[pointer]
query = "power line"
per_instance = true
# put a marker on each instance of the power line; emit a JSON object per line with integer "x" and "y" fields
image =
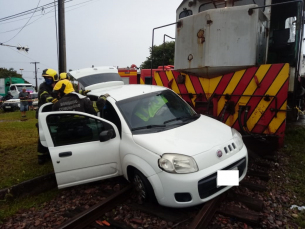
{"x": 27, "y": 24}
{"x": 48, "y": 17}
{"x": 24, "y": 25}
{"x": 42, "y": 8}
{"x": 27, "y": 56}
{"x": 24, "y": 13}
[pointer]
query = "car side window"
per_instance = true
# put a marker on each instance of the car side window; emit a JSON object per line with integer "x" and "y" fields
{"x": 68, "y": 129}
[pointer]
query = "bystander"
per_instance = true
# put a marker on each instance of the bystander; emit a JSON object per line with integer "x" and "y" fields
{"x": 23, "y": 96}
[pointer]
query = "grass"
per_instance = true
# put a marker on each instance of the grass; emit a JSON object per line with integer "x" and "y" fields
{"x": 18, "y": 161}
{"x": 295, "y": 145}
{"x": 18, "y": 149}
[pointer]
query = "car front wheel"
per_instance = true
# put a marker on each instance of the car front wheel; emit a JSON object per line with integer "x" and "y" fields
{"x": 143, "y": 187}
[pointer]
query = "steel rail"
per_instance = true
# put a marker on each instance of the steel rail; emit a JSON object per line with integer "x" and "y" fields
{"x": 90, "y": 215}
{"x": 207, "y": 212}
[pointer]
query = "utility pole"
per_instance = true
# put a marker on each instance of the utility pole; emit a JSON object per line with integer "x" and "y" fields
{"x": 35, "y": 74}
{"x": 62, "y": 66}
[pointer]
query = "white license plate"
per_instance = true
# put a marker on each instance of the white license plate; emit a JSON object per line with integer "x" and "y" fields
{"x": 7, "y": 106}
{"x": 228, "y": 177}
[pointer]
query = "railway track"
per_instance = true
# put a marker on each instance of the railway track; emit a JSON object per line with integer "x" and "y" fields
{"x": 233, "y": 204}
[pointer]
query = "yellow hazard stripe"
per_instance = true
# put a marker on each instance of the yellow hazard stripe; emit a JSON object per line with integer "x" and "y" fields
{"x": 190, "y": 88}
{"x": 170, "y": 77}
{"x": 141, "y": 81}
{"x": 277, "y": 121}
{"x": 261, "y": 72}
{"x": 229, "y": 89}
{"x": 205, "y": 84}
{"x": 273, "y": 90}
{"x": 128, "y": 74}
{"x": 158, "y": 79}
{"x": 213, "y": 84}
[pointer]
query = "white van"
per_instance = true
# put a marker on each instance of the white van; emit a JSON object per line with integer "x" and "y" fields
{"x": 15, "y": 89}
{"x": 172, "y": 154}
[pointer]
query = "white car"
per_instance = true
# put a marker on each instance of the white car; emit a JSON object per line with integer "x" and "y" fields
{"x": 11, "y": 104}
{"x": 173, "y": 157}
{"x": 14, "y": 103}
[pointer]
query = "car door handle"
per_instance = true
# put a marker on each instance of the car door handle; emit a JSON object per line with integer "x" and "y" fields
{"x": 65, "y": 154}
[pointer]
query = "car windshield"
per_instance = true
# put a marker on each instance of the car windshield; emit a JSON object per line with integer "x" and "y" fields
{"x": 98, "y": 78}
{"x": 16, "y": 96}
{"x": 28, "y": 88}
{"x": 156, "y": 112}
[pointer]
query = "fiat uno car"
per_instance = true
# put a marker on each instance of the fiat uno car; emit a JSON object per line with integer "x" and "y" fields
{"x": 171, "y": 153}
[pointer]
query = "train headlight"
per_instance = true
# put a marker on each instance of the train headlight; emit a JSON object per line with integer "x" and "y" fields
{"x": 177, "y": 163}
{"x": 237, "y": 139}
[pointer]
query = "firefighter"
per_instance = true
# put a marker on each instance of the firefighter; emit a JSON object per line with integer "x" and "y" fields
{"x": 65, "y": 76}
{"x": 68, "y": 76}
{"x": 44, "y": 96}
{"x": 69, "y": 100}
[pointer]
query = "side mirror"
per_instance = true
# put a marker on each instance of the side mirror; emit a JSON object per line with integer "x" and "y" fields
{"x": 106, "y": 135}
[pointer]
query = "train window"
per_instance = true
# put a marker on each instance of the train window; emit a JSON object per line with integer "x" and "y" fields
{"x": 212, "y": 5}
{"x": 248, "y": 2}
{"x": 147, "y": 80}
{"x": 290, "y": 24}
{"x": 185, "y": 13}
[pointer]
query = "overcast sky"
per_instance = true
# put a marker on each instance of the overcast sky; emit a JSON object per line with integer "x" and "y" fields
{"x": 98, "y": 32}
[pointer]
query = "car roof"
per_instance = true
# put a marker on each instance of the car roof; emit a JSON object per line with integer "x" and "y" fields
{"x": 95, "y": 70}
{"x": 122, "y": 92}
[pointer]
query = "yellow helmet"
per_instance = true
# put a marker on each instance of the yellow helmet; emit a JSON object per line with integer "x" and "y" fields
{"x": 64, "y": 86}
{"x": 65, "y": 75}
{"x": 50, "y": 73}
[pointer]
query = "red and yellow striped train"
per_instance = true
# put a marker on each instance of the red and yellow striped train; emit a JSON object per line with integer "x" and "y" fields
{"x": 240, "y": 62}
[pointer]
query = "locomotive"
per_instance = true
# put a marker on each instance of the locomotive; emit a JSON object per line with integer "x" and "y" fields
{"x": 240, "y": 62}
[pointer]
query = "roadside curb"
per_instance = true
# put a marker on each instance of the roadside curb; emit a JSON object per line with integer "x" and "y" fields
{"x": 30, "y": 187}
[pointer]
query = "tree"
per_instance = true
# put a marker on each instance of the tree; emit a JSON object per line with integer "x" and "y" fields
{"x": 169, "y": 53}
{"x": 5, "y": 73}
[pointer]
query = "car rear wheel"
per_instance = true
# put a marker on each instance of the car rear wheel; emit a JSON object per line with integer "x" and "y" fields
{"x": 143, "y": 187}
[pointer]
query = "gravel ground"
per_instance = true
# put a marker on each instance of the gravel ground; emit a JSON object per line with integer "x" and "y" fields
{"x": 70, "y": 202}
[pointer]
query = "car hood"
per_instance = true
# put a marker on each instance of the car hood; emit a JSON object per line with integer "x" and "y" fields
{"x": 190, "y": 139}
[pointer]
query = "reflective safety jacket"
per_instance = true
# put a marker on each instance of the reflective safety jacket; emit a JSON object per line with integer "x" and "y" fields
{"x": 44, "y": 95}
{"x": 145, "y": 113}
{"x": 77, "y": 102}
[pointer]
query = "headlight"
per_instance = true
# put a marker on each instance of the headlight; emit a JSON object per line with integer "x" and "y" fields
{"x": 237, "y": 139}
{"x": 177, "y": 163}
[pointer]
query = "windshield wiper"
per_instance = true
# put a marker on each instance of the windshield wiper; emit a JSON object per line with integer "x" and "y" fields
{"x": 147, "y": 127}
{"x": 195, "y": 116}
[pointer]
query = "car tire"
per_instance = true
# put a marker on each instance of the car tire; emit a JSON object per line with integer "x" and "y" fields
{"x": 143, "y": 187}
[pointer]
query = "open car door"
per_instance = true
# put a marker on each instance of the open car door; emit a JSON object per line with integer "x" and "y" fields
{"x": 83, "y": 147}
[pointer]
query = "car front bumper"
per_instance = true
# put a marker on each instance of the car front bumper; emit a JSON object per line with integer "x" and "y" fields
{"x": 184, "y": 190}
{"x": 10, "y": 106}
